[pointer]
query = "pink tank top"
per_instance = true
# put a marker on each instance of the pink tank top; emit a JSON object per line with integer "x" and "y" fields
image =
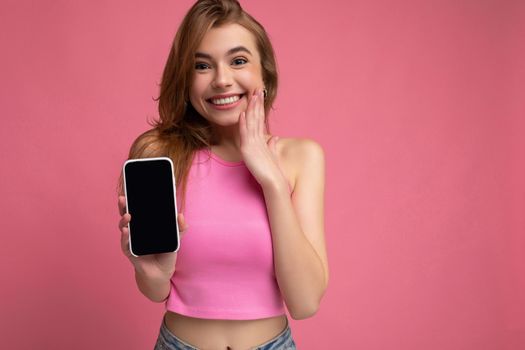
{"x": 224, "y": 267}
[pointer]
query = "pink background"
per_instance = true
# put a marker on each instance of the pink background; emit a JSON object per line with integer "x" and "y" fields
{"x": 419, "y": 106}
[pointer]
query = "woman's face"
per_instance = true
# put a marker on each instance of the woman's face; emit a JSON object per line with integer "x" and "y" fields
{"x": 227, "y": 72}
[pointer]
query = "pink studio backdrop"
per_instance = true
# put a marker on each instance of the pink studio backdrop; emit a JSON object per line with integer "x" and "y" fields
{"x": 419, "y": 106}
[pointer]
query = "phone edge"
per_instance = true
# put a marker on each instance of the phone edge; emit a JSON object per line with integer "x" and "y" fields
{"x": 174, "y": 197}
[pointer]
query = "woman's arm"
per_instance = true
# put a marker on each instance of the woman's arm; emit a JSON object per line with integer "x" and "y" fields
{"x": 152, "y": 272}
{"x": 297, "y": 226}
{"x": 155, "y": 288}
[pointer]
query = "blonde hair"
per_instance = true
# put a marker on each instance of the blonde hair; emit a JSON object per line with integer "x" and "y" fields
{"x": 180, "y": 129}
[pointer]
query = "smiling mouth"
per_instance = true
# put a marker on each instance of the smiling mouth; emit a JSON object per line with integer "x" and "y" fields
{"x": 225, "y": 101}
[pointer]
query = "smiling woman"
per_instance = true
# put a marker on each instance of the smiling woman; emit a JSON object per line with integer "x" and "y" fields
{"x": 226, "y": 77}
{"x": 252, "y": 204}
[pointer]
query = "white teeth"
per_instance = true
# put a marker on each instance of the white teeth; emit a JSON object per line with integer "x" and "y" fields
{"x": 225, "y": 101}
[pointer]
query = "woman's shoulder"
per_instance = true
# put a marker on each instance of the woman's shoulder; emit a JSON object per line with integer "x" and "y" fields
{"x": 296, "y": 155}
{"x": 299, "y": 150}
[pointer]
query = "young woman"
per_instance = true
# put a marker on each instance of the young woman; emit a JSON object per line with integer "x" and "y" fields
{"x": 251, "y": 204}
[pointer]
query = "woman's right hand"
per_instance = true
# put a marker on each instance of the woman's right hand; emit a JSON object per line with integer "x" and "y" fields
{"x": 153, "y": 265}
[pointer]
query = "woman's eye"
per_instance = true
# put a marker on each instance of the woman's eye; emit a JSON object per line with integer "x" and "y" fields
{"x": 239, "y": 61}
{"x": 201, "y": 66}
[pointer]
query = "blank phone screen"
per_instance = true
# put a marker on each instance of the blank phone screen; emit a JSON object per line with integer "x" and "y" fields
{"x": 150, "y": 196}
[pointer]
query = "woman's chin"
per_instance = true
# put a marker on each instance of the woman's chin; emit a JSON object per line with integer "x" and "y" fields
{"x": 226, "y": 122}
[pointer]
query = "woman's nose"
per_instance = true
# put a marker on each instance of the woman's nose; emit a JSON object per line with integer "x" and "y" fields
{"x": 223, "y": 77}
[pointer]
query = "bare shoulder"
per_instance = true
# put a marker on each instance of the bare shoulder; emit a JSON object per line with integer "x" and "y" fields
{"x": 306, "y": 158}
{"x": 299, "y": 155}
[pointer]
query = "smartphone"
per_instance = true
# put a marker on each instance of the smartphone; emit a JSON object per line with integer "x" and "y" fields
{"x": 149, "y": 186}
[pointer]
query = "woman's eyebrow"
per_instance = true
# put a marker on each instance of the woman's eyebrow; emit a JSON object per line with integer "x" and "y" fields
{"x": 230, "y": 52}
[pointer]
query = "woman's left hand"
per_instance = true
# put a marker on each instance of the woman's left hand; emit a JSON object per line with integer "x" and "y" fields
{"x": 260, "y": 155}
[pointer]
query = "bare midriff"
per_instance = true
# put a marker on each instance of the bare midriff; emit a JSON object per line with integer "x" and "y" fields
{"x": 209, "y": 334}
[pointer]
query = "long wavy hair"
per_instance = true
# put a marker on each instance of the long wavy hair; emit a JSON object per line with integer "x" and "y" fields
{"x": 180, "y": 129}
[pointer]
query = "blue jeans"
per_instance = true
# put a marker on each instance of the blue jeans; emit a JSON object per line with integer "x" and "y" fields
{"x": 168, "y": 341}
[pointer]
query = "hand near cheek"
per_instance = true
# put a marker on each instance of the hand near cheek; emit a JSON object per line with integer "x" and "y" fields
{"x": 260, "y": 155}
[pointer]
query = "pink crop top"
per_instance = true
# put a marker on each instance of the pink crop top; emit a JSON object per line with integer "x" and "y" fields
{"x": 224, "y": 267}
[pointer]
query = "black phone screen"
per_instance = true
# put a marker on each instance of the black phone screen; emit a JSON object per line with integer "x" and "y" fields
{"x": 150, "y": 196}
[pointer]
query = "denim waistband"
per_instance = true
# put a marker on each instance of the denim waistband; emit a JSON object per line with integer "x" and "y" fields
{"x": 169, "y": 341}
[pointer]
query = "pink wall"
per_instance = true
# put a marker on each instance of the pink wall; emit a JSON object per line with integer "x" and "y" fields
{"x": 418, "y": 104}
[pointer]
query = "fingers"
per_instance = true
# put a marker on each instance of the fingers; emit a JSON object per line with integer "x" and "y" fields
{"x": 124, "y": 220}
{"x": 123, "y": 227}
{"x": 124, "y": 241}
{"x": 251, "y": 120}
{"x": 242, "y": 127}
{"x": 253, "y": 123}
{"x": 260, "y": 121}
{"x": 122, "y": 205}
